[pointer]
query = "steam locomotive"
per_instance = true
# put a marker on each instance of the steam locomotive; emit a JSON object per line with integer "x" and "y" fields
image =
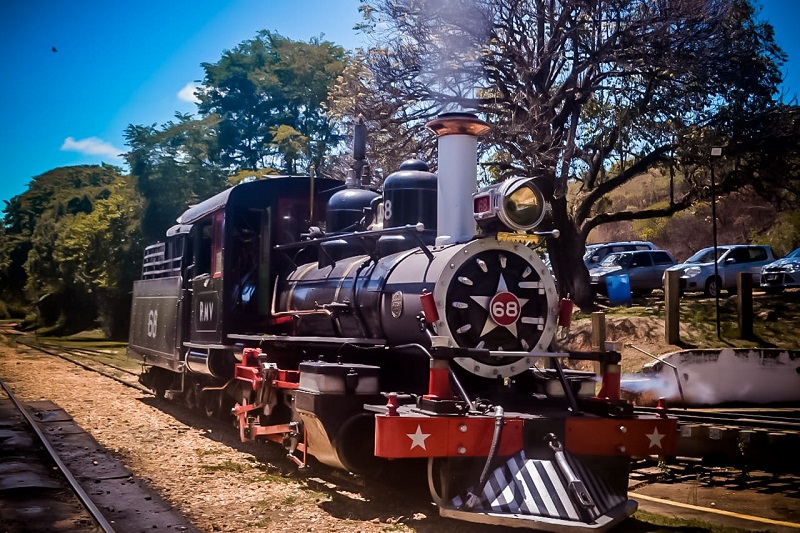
{"x": 420, "y": 323}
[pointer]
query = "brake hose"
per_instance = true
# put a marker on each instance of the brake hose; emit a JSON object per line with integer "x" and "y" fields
{"x": 474, "y": 498}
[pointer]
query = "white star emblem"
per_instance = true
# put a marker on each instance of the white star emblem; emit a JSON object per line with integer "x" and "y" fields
{"x": 484, "y": 301}
{"x": 655, "y": 438}
{"x": 418, "y": 438}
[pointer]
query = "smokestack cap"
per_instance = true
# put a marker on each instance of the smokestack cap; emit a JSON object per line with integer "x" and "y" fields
{"x": 457, "y": 124}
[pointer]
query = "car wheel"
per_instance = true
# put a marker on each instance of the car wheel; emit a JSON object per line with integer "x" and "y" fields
{"x": 712, "y": 285}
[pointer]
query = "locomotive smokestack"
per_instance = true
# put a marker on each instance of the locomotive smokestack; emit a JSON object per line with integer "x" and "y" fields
{"x": 458, "y": 174}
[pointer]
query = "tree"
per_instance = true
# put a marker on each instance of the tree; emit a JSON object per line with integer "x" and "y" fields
{"x": 264, "y": 86}
{"x": 174, "y": 166}
{"x": 37, "y": 223}
{"x": 100, "y": 252}
{"x": 574, "y": 87}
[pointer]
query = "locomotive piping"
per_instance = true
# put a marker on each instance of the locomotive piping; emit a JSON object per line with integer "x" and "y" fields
{"x": 474, "y": 498}
{"x": 459, "y": 387}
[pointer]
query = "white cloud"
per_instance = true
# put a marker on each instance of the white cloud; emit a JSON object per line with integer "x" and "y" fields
{"x": 187, "y": 93}
{"x": 91, "y": 146}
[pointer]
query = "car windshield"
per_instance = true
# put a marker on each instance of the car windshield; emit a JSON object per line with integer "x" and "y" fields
{"x": 589, "y": 251}
{"x": 705, "y": 256}
{"x": 794, "y": 255}
{"x": 621, "y": 260}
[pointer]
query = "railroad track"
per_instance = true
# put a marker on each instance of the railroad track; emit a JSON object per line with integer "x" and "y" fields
{"x": 32, "y": 486}
{"x": 90, "y": 360}
{"x": 740, "y": 437}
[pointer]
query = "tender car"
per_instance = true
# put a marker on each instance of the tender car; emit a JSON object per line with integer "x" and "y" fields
{"x": 595, "y": 253}
{"x": 697, "y": 272}
{"x": 782, "y": 273}
{"x": 644, "y": 268}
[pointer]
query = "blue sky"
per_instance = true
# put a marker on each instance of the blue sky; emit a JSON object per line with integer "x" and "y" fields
{"x": 121, "y": 63}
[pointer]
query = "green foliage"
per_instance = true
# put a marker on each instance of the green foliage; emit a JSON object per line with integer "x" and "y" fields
{"x": 784, "y": 234}
{"x": 70, "y": 238}
{"x": 652, "y": 228}
{"x": 264, "y": 86}
{"x": 174, "y": 166}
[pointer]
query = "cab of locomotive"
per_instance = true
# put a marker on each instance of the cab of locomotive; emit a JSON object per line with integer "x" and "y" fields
{"x": 224, "y": 251}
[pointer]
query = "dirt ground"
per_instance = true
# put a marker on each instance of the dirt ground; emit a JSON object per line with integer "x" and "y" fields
{"x": 220, "y": 484}
{"x": 646, "y": 333}
{"x": 198, "y": 464}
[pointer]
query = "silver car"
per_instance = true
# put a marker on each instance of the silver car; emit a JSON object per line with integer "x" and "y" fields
{"x": 697, "y": 272}
{"x": 782, "y": 273}
{"x": 595, "y": 253}
{"x": 644, "y": 269}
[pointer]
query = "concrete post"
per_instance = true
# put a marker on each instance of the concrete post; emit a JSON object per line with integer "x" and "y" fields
{"x": 598, "y": 336}
{"x": 744, "y": 304}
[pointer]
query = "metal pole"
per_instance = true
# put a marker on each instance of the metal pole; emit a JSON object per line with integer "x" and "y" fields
{"x": 715, "y": 152}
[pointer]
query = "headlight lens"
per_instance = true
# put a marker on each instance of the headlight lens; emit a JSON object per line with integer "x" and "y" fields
{"x": 523, "y": 205}
{"x": 519, "y": 204}
{"x": 691, "y": 272}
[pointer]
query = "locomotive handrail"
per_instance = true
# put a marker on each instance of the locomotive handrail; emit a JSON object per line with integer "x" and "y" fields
{"x": 449, "y": 352}
{"x": 412, "y": 230}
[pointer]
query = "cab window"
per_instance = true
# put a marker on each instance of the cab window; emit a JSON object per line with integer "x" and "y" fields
{"x": 218, "y": 243}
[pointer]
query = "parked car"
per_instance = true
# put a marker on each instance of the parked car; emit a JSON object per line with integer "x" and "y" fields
{"x": 782, "y": 273}
{"x": 697, "y": 272}
{"x": 595, "y": 253}
{"x": 644, "y": 268}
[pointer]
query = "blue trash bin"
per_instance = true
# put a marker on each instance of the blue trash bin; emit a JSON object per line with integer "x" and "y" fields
{"x": 619, "y": 289}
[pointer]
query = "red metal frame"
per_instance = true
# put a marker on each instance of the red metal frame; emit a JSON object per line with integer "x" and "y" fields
{"x": 426, "y": 436}
{"x": 638, "y": 437}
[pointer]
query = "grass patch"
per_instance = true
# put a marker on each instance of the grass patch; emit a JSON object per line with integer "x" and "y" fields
{"x": 206, "y": 453}
{"x": 96, "y": 347}
{"x": 267, "y": 477}
{"x": 774, "y": 325}
{"x": 643, "y": 517}
{"x": 227, "y": 466}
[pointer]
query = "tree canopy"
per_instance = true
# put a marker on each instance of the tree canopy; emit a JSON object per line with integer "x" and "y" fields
{"x": 581, "y": 91}
{"x": 73, "y": 235}
{"x": 261, "y": 111}
{"x": 269, "y": 93}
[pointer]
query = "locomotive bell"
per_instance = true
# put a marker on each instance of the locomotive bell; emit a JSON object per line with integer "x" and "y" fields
{"x": 518, "y": 204}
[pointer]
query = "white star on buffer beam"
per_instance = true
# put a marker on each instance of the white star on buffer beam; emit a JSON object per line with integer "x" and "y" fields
{"x": 418, "y": 438}
{"x": 655, "y": 438}
{"x": 484, "y": 302}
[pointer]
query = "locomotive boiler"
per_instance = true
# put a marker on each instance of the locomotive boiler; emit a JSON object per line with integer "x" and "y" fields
{"x": 418, "y": 323}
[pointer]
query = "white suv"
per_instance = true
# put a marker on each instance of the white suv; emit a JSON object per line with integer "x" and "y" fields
{"x": 697, "y": 272}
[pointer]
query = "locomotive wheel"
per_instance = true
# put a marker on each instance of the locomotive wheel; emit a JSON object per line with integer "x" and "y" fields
{"x": 159, "y": 381}
{"x": 190, "y": 396}
{"x": 212, "y": 403}
{"x": 449, "y": 477}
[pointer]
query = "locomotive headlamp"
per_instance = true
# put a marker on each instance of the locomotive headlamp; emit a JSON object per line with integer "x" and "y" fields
{"x": 518, "y": 204}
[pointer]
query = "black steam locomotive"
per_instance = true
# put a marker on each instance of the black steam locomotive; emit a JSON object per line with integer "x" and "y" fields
{"x": 419, "y": 323}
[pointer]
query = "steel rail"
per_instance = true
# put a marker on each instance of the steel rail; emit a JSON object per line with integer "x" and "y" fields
{"x": 76, "y": 487}
{"x": 92, "y": 369}
{"x": 731, "y": 419}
